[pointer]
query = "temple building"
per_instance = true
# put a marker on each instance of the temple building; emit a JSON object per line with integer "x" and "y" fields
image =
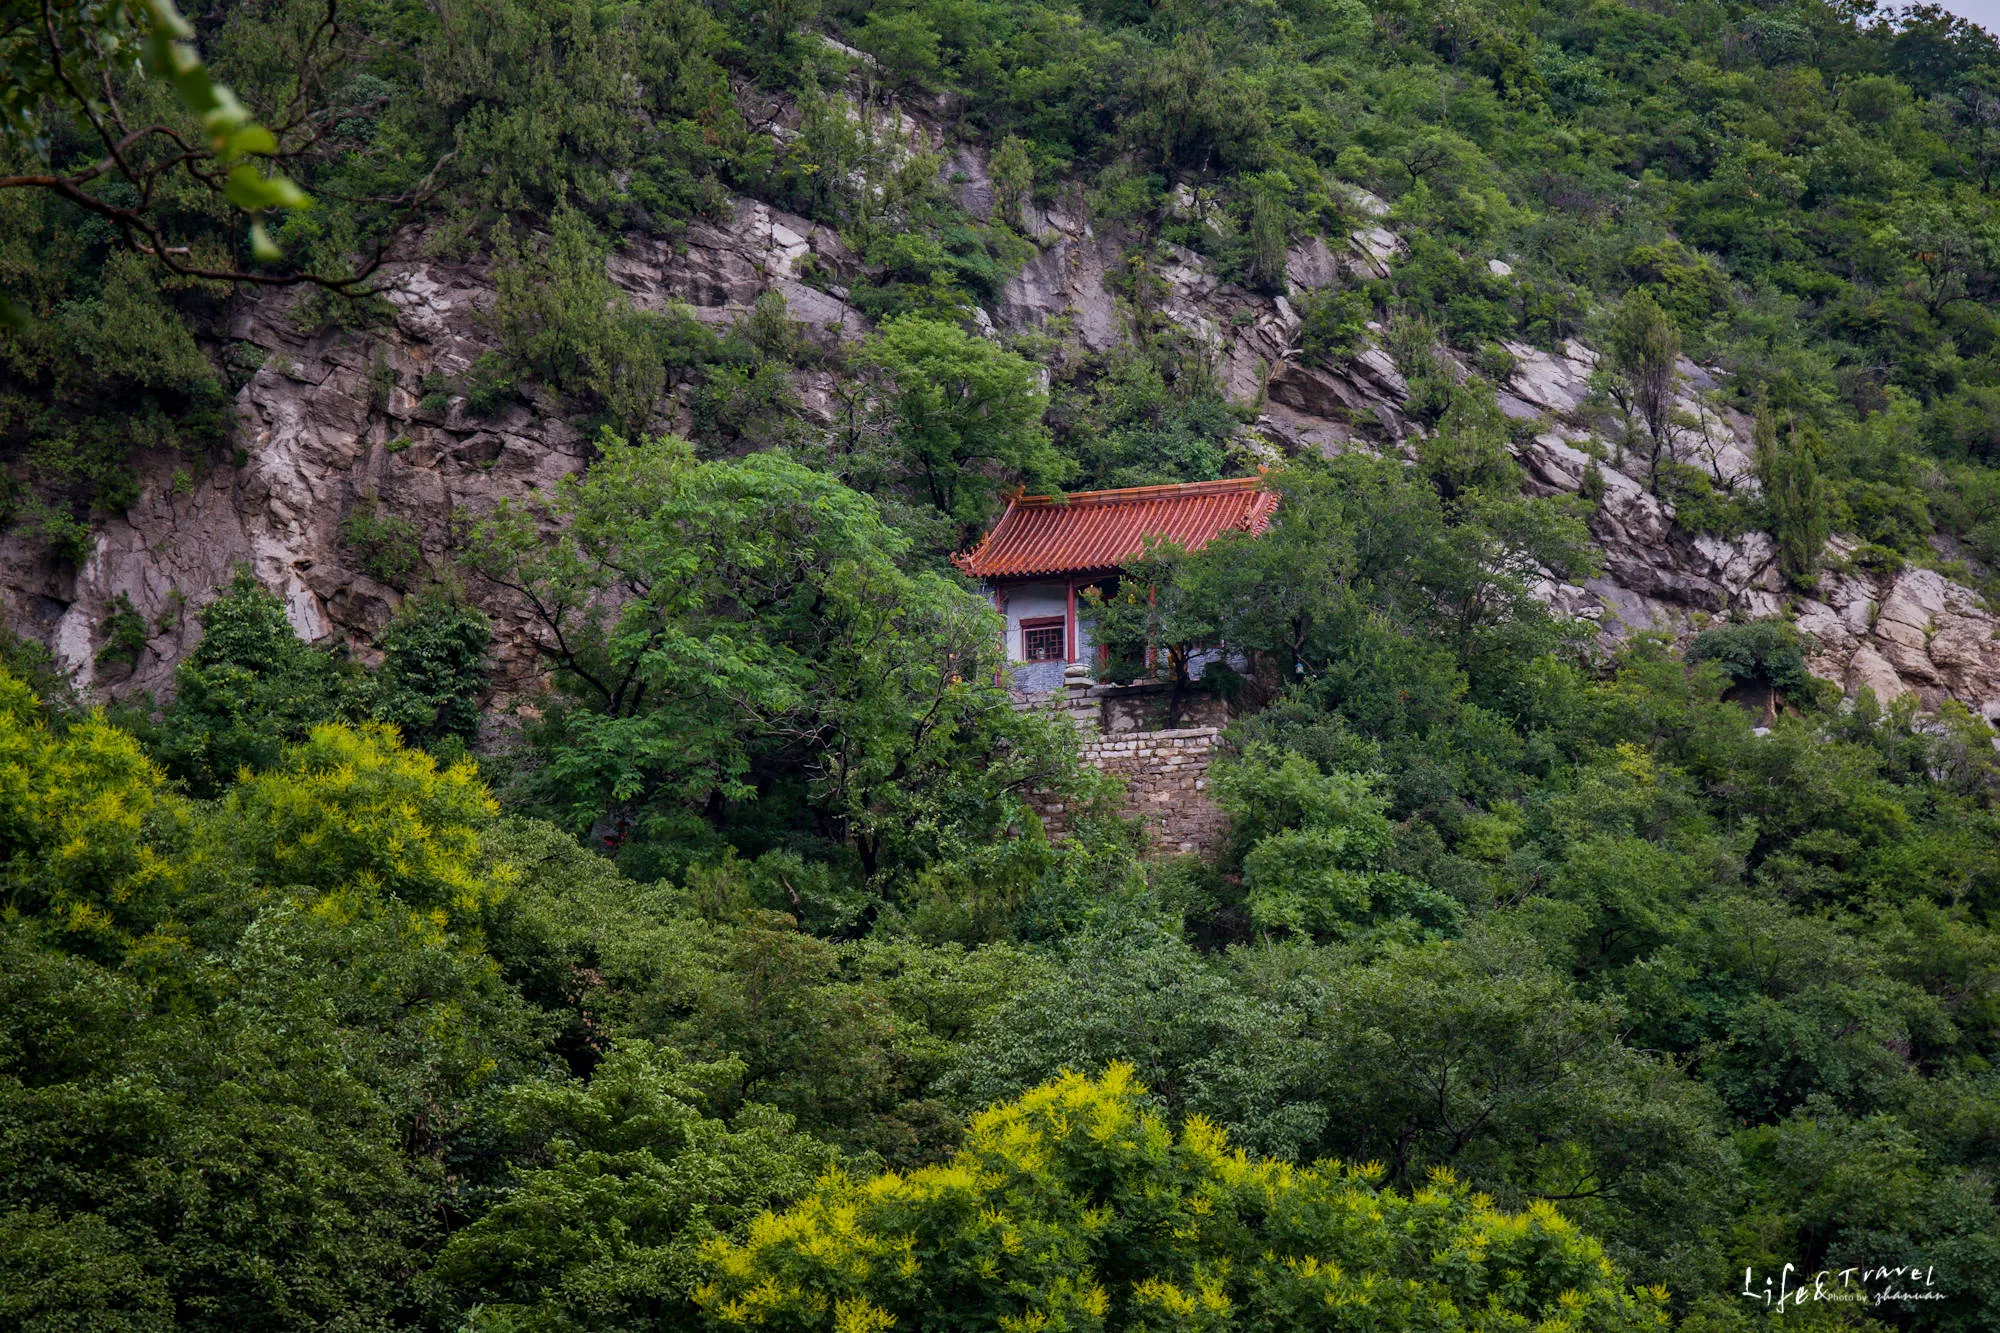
{"x": 1047, "y": 548}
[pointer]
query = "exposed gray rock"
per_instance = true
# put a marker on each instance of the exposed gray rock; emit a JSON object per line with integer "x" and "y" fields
{"x": 1066, "y": 281}
{"x": 331, "y": 420}
{"x": 1363, "y": 393}
{"x": 965, "y": 175}
{"x": 1310, "y": 266}
{"x": 1868, "y": 670}
{"x": 719, "y": 270}
{"x": 1373, "y": 250}
{"x": 1368, "y": 205}
{"x": 1554, "y": 465}
{"x": 1199, "y": 206}
{"x": 1294, "y": 432}
{"x": 1552, "y": 383}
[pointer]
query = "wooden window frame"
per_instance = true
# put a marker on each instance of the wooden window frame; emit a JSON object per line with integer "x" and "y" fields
{"x": 1060, "y": 624}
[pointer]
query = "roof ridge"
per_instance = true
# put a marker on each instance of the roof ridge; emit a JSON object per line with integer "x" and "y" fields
{"x": 966, "y": 559}
{"x": 1220, "y": 486}
{"x": 1093, "y": 530}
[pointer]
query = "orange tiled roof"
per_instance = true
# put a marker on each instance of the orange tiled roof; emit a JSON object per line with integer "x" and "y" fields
{"x": 1093, "y": 530}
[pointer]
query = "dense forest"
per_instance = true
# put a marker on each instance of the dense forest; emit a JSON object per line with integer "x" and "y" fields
{"x": 731, "y": 980}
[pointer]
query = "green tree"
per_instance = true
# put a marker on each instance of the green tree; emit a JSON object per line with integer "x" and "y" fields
{"x": 1466, "y": 456}
{"x": 1150, "y": 416}
{"x": 1360, "y": 548}
{"x": 1474, "y": 1054}
{"x": 1189, "y": 110}
{"x": 82, "y": 812}
{"x": 433, "y": 669}
{"x": 1013, "y": 171}
{"x": 624, "y": 115}
{"x": 564, "y": 322}
{"x": 1312, "y": 846}
{"x": 849, "y": 1039}
{"x": 114, "y": 70}
{"x": 1761, "y": 652}
{"x": 111, "y": 375}
{"x": 315, "y": 1198}
{"x": 249, "y": 687}
{"x": 1155, "y": 623}
{"x": 274, "y": 987}
{"x": 965, "y": 417}
{"x": 1834, "y": 1188}
{"x": 732, "y": 632}
{"x": 351, "y": 822}
{"x": 1203, "y": 1043}
{"x": 1267, "y": 229}
{"x": 617, "y": 1186}
{"x": 1795, "y": 497}
{"x": 1645, "y": 348}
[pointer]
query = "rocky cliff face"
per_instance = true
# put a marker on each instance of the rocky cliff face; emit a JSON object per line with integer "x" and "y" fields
{"x": 1914, "y": 631}
{"x": 335, "y": 422}
{"x": 332, "y": 423}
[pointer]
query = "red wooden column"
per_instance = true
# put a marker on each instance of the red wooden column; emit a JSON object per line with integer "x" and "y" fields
{"x": 1069, "y": 620}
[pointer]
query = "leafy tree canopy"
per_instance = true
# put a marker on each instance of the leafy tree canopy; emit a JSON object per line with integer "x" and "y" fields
{"x": 1074, "y": 1205}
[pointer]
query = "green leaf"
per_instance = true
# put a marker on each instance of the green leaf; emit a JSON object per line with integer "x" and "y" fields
{"x": 168, "y": 20}
{"x": 223, "y": 113}
{"x": 250, "y": 139}
{"x": 262, "y": 246}
{"x": 252, "y": 191}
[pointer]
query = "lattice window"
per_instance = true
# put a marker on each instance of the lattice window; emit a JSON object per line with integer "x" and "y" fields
{"x": 1042, "y": 640}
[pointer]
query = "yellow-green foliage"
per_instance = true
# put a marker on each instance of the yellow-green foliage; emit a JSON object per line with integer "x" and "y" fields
{"x": 80, "y": 812}
{"x": 1076, "y": 1208}
{"x": 94, "y": 843}
{"x": 351, "y": 815}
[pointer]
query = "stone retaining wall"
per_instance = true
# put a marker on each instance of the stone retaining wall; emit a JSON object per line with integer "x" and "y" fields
{"x": 1165, "y": 771}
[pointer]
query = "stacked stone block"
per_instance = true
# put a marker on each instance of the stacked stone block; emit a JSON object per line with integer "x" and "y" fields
{"x": 1165, "y": 772}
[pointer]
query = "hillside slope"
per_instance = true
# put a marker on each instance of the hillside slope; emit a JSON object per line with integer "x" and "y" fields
{"x": 1261, "y": 315}
{"x": 558, "y": 851}
{"x": 323, "y": 441}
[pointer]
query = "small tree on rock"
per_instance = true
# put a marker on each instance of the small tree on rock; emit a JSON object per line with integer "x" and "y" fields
{"x": 1645, "y": 347}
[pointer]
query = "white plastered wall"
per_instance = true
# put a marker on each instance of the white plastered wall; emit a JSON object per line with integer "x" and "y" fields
{"x": 1030, "y": 601}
